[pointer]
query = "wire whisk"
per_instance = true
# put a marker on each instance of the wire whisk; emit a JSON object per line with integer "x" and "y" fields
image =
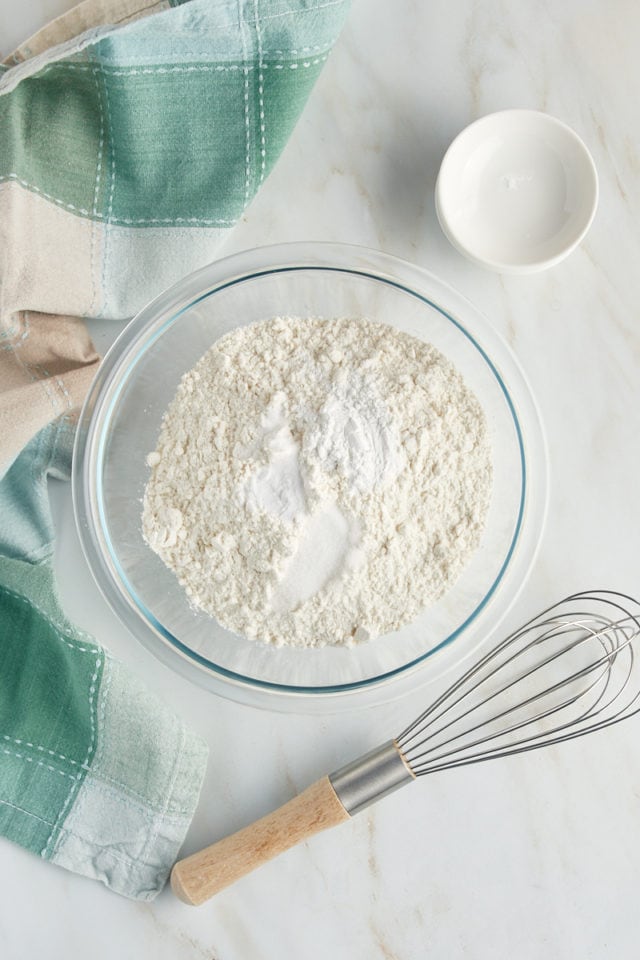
{"x": 569, "y": 671}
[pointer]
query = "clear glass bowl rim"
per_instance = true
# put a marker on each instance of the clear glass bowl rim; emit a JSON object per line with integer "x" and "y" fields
{"x": 239, "y": 267}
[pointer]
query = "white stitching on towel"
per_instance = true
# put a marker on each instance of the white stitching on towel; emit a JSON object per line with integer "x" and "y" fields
{"x": 247, "y": 128}
{"x": 263, "y": 142}
{"x": 47, "y": 196}
{"x": 41, "y": 763}
{"x": 65, "y": 392}
{"x": 287, "y": 13}
{"x": 96, "y": 773}
{"x": 196, "y": 220}
{"x": 269, "y": 53}
{"x": 105, "y": 687}
{"x": 112, "y": 186}
{"x": 316, "y": 48}
{"x": 98, "y": 778}
{"x": 112, "y": 168}
{"x": 92, "y": 718}
{"x": 200, "y": 221}
{"x": 35, "y": 746}
{"x": 57, "y": 626}
{"x": 45, "y": 379}
{"x": 74, "y": 786}
{"x": 194, "y": 68}
{"x": 247, "y": 135}
{"x": 94, "y": 229}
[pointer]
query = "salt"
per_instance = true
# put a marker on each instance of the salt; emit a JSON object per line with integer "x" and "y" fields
{"x": 325, "y": 541}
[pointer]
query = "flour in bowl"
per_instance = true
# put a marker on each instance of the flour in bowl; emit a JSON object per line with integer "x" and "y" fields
{"x": 318, "y": 481}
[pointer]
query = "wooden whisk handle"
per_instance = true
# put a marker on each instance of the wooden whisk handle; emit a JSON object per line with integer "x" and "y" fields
{"x": 325, "y": 803}
{"x": 203, "y": 874}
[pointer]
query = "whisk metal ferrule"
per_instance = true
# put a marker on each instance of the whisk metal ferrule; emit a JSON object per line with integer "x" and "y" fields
{"x": 371, "y": 777}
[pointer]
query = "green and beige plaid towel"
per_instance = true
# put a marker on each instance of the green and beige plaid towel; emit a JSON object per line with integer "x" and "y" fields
{"x": 132, "y": 137}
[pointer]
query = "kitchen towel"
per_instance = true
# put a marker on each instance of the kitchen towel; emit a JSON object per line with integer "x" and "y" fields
{"x": 132, "y": 137}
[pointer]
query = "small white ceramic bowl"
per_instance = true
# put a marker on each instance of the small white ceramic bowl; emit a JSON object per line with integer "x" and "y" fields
{"x": 517, "y": 191}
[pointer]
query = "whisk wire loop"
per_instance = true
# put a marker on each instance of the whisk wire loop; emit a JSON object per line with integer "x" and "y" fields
{"x": 561, "y": 675}
{"x": 507, "y": 686}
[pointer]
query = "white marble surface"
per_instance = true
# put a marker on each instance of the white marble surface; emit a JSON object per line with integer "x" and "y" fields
{"x": 529, "y": 858}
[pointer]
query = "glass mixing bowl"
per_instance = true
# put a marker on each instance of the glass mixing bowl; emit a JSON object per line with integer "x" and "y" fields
{"x": 120, "y": 424}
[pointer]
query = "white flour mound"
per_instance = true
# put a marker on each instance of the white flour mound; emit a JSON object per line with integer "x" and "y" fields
{"x": 318, "y": 481}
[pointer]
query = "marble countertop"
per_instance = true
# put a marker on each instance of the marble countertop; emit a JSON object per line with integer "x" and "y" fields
{"x": 531, "y": 857}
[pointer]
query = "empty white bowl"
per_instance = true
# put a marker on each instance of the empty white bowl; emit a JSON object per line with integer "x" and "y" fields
{"x": 517, "y": 191}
